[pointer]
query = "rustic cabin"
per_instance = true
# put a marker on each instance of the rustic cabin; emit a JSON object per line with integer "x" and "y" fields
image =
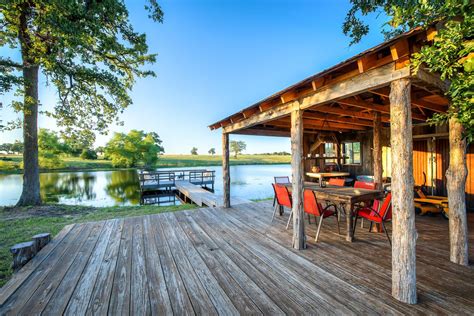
{"x": 366, "y": 119}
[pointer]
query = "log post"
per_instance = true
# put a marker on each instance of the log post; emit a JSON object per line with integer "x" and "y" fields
{"x": 297, "y": 178}
{"x": 378, "y": 170}
{"x": 456, "y": 184}
{"x": 22, "y": 253}
{"x": 226, "y": 169}
{"x": 404, "y": 233}
{"x": 41, "y": 240}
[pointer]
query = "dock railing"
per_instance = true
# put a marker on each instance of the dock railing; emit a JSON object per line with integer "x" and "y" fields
{"x": 152, "y": 180}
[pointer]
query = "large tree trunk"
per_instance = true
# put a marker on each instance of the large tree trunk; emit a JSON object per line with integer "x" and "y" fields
{"x": 378, "y": 171}
{"x": 299, "y": 241}
{"x": 225, "y": 169}
{"x": 403, "y": 225}
{"x": 31, "y": 185}
{"x": 456, "y": 178}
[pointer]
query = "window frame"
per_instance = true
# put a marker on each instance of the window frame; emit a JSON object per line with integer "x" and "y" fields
{"x": 346, "y": 157}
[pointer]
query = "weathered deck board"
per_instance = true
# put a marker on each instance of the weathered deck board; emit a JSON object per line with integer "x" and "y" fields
{"x": 203, "y": 197}
{"x": 232, "y": 261}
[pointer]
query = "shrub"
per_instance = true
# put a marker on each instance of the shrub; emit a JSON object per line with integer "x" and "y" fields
{"x": 89, "y": 154}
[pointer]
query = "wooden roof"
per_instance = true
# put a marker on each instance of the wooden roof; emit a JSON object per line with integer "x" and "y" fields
{"x": 351, "y": 110}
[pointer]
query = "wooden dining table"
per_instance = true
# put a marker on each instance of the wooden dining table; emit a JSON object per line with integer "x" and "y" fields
{"x": 345, "y": 197}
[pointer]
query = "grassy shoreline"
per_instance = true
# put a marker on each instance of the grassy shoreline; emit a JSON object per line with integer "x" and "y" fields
{"x": 73, "y": 164}
{"x": 19, "y": 224}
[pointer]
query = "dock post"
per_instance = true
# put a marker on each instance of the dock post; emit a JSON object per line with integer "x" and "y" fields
{"x": 226, "y": 169}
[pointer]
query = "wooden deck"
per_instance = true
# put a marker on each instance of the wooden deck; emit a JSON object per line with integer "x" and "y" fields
{"x": 203, "y": 197}
{"x": 217, "y": 261}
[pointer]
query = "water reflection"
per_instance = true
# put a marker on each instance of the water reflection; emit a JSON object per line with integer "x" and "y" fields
{"x": 120, "y": 187}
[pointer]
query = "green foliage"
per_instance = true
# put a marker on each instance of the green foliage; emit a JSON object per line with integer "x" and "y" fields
{"x": 194, "y": 151}
{"x": 451, "y": 55}
{"x": 12, "y": 148}
{"x": 50, "y": 148}
{"x": 78, "y": 142}
{"x": 136, "y": 148}
{"x": 87, "y": 49}
{"x": 212, "y": 151}
{"x": 237, "y": 147}
{"x": 88, "y": 154}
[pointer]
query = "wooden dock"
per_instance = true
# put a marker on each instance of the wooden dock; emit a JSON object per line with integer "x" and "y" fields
{"x": 231, "y": 261}
{"x": 201, "y": 196}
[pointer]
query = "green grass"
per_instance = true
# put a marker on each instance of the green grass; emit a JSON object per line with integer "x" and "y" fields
{"x": 12, "y": 165}
{"x": 20, "y": 224}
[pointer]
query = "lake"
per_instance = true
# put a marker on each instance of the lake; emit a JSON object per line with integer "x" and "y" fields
{"x": 120, "y": 187}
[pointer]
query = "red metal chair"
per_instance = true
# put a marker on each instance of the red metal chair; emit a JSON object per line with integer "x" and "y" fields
{"x": 282, "y": 197}
{"x": 380, "y": 216}
{"x": 313, "y": 207}
{"x": 280, "y": 180}
{"x": 365, "y": 185}
{"x": 337, "y": 182}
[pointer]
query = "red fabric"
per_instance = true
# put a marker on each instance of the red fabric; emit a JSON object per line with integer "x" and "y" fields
{"x": 372, "y": 215}
{"x": 311, "y": 205}
{"x": 337, "y": 182}
{"x": 282, "y": 195}
{"x": 364, "y": 185}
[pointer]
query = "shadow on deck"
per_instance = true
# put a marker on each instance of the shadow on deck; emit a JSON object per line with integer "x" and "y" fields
{"x": 213, "y": 260}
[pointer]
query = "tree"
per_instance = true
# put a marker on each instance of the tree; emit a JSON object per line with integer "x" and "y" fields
{"x": 17, "y": 147}
{"x": 451, "y": 55}
{"x": 50, "y": 149}
{"x": 134, "y": 149}
{"x": 78, "y": 141}
{"x": 87, "y": 49}
{"x": 88, "y": 154}
{"x": 212, "y": 151}
{"x": 237, "y": 147}
{"x": 194, "y": 151}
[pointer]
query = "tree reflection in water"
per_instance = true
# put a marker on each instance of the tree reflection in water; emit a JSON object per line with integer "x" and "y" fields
{"x": 78, "y": 186}
{"x": 123, "y": 187}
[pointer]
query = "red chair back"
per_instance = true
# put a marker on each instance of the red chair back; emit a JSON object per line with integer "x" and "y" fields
{"x": 311, "y": 204}
{"x": 386, "y": 209}
{"x": 282, "y": 195}
{"x": 337, "y": 182}
{"x": 364, "y": 185}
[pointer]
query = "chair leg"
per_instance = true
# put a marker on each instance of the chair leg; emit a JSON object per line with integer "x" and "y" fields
{"x": 386, "y": 233}
{"x": 274, "y": 200}
{"x": 309, "y": 218}
{"x": 362, "y": 223}
{"x": 319, "y": 228}
{"x": 289, "y": 219}
{"x": 275, "y": 208}
{"x": 370, "y": 228}
{"x": 338, "y": 229}
{"x": 355, "y": 225}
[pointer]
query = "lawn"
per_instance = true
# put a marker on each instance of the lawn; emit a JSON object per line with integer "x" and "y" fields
{"x": 11, "y": 164}
{"x": 20, "y": 224}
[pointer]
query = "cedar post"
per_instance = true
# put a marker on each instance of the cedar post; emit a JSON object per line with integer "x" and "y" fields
{"x": 456, "y": 184}
{"x": 225, "y": 169}
{"x": 378, "y": 170}
{"x": 297, "y": 178}
{"x": 403, "y": 209}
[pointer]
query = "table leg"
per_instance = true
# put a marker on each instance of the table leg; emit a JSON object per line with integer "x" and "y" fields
{"x": 348, "y": 210}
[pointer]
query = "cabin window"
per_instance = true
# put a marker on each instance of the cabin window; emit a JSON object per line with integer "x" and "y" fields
{"x": 351, "y": 153}
{"x": 330, "y": 152}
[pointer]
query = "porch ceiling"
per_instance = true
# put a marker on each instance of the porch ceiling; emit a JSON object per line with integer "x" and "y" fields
{"x": 346, "y": 97}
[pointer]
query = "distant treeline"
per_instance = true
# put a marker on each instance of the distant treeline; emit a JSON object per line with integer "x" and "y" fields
{"x": 277, "y": 153}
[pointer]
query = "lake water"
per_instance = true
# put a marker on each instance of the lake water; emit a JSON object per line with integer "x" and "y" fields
{"x": 120, "y": 187}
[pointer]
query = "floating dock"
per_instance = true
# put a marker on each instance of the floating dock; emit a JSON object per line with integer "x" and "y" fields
{"x": 190, "y": 186}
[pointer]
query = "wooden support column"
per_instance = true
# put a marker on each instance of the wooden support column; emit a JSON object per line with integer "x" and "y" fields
{"x": 404, "y": 233}
{"x": 297, "y": 178}
{"x": 378, "y": 170}
{"x": 456, "y": 184}
{"x": 226, "y": 169}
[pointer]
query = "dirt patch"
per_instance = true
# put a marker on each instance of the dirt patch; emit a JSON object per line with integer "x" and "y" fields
{"x": 12, "y": 213}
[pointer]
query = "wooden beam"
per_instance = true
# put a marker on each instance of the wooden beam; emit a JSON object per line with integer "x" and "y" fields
{"x": 400, "y": 49}
{"x": 288, "y": 96}
{"x": 456, "y": 184}
{"x": 385, "y": 92}
{"x": 351, "y": 113}
{"x": 226, "y": 169}
{"x": 336, "y": 118}
{"x": 329, "y": 128}
{"x": 377, "y": 153}
{"x": 297, "y": 172}
{"x": 403, "y": 211}
{"x": 261, "y": 131}
{"x": 372, "y": 79}
{"x": 314, "y": 123}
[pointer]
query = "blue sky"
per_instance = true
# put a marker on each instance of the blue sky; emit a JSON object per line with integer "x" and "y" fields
{"x": 216, "y": 57}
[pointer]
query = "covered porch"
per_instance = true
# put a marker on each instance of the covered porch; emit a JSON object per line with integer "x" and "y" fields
{"x": 352, "y": 115}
